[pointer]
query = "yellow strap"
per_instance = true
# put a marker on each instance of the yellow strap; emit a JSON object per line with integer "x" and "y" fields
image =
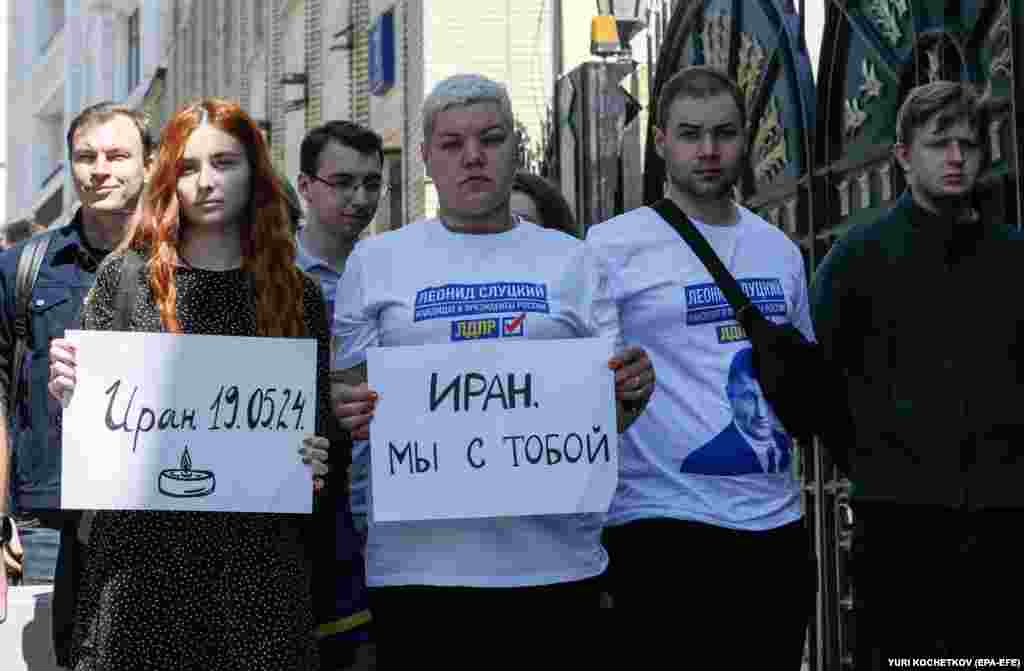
{"x": 344, "y": 624}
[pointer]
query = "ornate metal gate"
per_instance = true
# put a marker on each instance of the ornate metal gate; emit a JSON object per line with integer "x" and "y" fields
{"x": 821, "y": 164}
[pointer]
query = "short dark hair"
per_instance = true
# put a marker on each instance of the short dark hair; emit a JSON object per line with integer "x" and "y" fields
{"x": 103, "y": 112}
{"x": 698, "y": 81}
{"x": 347, "y": 133}
{"x": 952, "y": 101}
{"x": 554, "y": 210}
{"x": 742, "y": 366}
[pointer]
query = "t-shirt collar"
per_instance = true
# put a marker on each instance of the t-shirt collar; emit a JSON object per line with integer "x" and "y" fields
{"x": 304, "y": 259}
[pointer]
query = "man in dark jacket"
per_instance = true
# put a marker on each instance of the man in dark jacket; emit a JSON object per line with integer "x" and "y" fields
{"x": 914, "y": 310}
{"x": 108, "y": 148}
{"x": 341, "y": 183}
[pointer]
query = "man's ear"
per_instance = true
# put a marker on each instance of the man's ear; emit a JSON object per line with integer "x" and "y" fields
{"x": 659, "y": 142}
{"x": 425, "y": 154}
{"x": 901, "y": 153}
{"x": 302, "y": 185}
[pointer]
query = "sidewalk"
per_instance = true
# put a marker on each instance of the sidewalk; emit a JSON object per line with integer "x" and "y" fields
{"x": 25, "y": 641}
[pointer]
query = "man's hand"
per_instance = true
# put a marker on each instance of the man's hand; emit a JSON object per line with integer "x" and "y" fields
{"x": 354, "y": 406}
{"x": 634, "y": 375}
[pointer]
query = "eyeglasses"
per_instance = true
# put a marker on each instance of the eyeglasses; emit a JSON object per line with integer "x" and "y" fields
{"x": 346, "y": 185}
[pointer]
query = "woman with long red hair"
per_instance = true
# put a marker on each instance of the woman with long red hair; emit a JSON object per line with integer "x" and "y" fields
{"x": 174, "y": 590}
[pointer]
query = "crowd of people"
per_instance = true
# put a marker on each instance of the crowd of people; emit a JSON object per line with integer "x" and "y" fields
{"x": 197, "y": 234}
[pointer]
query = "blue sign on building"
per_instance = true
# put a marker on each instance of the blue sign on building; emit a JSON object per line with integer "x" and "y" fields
{"x": 382, "y": 53}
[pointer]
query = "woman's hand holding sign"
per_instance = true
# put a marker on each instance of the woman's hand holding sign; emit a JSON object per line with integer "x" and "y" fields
{"x": 314, "y": 453}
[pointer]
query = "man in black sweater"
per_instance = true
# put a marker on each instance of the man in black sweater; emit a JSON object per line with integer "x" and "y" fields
{"x": 915, "y": 312}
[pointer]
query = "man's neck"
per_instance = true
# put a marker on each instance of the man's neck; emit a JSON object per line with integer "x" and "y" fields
{"x": 325, "y": 245}
{"x": 715, "y": 212}
{"x": 752, "y": 440}
{"x": 955, "y": 209}
{"x": 498, "y": 220}
{"x": 104, "y": 230}
{"x": 212, "y": 248}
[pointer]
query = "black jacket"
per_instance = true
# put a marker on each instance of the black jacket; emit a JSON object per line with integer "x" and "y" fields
{"x": 921, "y": 317}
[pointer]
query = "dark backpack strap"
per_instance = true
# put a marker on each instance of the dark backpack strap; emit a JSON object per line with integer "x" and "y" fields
{"x": 29, "y": 262}
{"x": 678, "y": 220}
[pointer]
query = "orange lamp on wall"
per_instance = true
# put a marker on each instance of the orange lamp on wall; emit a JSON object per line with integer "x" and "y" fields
{"x": 604, "y": 36}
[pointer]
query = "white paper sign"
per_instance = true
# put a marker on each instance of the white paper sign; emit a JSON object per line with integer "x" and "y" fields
{"x": 189, "y": 422}
{"x": 492, "y": 429}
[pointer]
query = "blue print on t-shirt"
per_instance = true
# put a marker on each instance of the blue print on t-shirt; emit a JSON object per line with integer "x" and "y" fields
{"x": 754, "y": 441}
{"x": 456, "y": 300}
{"x": 706, "y": 304}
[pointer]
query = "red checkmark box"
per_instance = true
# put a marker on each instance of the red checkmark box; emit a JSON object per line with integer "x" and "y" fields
{"x": 513, "y": 325}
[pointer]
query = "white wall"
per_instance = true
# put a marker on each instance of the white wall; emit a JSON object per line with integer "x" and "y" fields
{"x": 4, "y": 33}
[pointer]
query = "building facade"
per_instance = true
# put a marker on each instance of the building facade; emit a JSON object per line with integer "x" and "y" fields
{"x": 292, "y": 64}
{"x": 67, "y": 55}
{"x": 378, "y": 60}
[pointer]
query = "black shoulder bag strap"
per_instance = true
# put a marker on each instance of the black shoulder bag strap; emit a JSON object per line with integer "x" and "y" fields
{"x": 785, "y": 362}
{"x": 29, "y": 262}
{"x": 671, "y": 213}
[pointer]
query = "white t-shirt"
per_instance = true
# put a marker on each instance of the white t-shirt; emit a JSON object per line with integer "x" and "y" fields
{"x": 423, "y": 284}
{"x": 707, "y": 448}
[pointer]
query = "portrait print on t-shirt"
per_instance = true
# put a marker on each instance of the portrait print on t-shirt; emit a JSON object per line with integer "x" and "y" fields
{"x": 754, "y": 441}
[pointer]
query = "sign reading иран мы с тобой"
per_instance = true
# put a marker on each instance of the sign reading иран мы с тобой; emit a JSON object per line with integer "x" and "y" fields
{"x": 492, "y": 429}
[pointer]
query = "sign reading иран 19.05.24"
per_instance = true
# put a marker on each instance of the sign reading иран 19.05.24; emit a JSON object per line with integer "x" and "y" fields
{"x": 189, "y": 422}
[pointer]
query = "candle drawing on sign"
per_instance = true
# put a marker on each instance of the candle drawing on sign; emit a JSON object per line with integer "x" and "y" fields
{"x": 185, "y": 482}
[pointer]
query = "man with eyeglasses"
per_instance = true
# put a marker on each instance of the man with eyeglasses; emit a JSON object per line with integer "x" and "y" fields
{"x": 341, "y": 183}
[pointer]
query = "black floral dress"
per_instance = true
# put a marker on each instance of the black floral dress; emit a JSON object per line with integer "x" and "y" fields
{"x": 194, "y": 590}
